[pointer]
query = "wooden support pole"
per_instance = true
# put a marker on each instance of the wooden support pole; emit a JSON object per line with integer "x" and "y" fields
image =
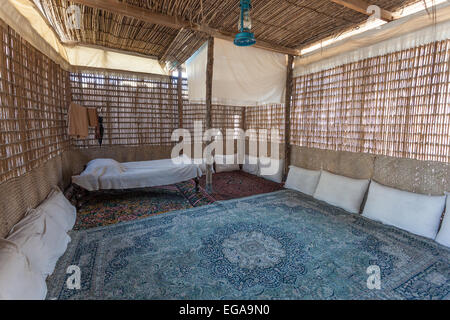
{"x": 208, "y": 122}
{"x": 287, "y": 114}
{"x": 180, "y": 96}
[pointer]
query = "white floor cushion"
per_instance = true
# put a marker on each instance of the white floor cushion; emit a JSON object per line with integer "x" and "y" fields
{"x": 340, "y": 191}
{"x": 302, "y": 180}
{"x": 41, "y": 239}
{"x": 202, "y": 164}
{"x": 225, "y": 163}
{"x": 17, "y": 280}
{"x": 443, "y": 237}
{"x": 58, "y": 208}
{"x": 271, "y": 169}
{"x": 251, "y": 165}
{"x": 416, "y": 213}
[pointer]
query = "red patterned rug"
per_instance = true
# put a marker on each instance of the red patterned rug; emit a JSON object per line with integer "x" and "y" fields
{"x": 113, "y": 206}
{"x": 239, "y": 184}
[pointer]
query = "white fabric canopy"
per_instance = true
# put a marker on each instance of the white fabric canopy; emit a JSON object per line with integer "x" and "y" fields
{"x": 26, "y": 20}
{"x": 408, "y": 32}
{"x": 242, "y": 76}
{"x": 82, "y": 56}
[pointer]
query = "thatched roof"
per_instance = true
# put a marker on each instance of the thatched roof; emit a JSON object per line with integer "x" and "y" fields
{"x": 183, "y": 25}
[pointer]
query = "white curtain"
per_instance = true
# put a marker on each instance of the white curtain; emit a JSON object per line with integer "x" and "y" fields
{"x": 408, "y": 32}
{"x": 242, "y": 76}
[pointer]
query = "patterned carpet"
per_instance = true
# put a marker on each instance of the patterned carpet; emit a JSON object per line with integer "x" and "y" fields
{"x": 281, "y": 245}
{"x": 238, "y": 184}
{"x": 109, "y": 207}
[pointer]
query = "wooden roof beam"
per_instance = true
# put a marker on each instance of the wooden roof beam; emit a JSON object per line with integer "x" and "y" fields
{"x": 362, "y": 6}
{"x": 174, "y": 22}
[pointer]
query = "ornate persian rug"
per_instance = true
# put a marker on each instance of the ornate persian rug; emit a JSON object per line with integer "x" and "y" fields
{"x": 238, "y": 184}
{"x": 113, "y": 206}
{"x": 281, "y": 245}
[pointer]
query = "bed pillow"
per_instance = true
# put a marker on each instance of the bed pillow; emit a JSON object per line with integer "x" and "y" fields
{"x": 340, "y": 191}
{"x": 17, "y": 280}
{"x": 58, "y": 208}
{"x": 271, "y": 169}
{"x": 225, "y": 163}
{"x": 443, "y": 237}
{"x": 417, "y": 213}
{"x": 41, "y": 239}
{"x": 99, "y": 167}
{"x": 250, "y": 165}
{"x": 302, "y": 180}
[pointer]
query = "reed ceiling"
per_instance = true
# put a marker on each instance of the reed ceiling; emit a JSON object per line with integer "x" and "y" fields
{"x": 284, "y": 25}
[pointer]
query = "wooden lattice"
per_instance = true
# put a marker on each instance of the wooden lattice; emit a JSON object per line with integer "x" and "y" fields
{"x": 396, "y": 104}
{"x": 135, "y": 110}
{"x": 266, "y": 118}
{"x": 33, "y": 106}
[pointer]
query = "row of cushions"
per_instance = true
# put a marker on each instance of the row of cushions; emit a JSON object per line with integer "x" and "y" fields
{"x": 265, "y": 167}
{"x": 270, "y": 169}
{"x": 416, "y": 213}
{"x": 339, "y": 191}
{"x": 39, "y": 239}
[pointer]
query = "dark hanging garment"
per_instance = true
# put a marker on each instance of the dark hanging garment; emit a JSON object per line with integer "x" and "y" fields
{"x": 99, "y": 131}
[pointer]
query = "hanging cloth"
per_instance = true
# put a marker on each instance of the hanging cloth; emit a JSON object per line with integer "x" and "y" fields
{"x": 93, "y": 117}
{"x": 78, "y": 122}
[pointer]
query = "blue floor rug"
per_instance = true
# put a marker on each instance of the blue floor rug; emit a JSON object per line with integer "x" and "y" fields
{"x": 282, "y": 245}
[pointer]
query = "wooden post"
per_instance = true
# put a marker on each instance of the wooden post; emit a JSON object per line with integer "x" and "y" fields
{"x": 180, "y": 96}
{"x": 287, "y": 115}
{"x": 208, "y": 124}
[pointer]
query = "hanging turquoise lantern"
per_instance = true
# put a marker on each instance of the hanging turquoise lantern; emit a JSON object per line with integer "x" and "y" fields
{"x": 245, "y": 37}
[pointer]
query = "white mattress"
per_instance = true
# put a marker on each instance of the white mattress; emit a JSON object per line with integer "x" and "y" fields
{"x": 139, "y": 175}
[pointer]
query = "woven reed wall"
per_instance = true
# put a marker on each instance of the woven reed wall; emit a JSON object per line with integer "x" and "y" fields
{"x": 266, "y": 117}
{"x": 142, "y": 111}
{"x": 396, "y": 105}
{"x": 136, "y": 110}
{"x": 33, "y": 106}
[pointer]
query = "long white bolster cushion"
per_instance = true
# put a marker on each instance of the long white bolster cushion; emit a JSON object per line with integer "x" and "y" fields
{"x": 58, "y": 208}
{"x": 18, "y": 281}
{"x": 251, "y": 165}
{"x": 417, "y": 213}
{"x": 41, "y": 239}
{"x": 271, "y": 169}
{"x": 340, "y": 191}
{"x": 302, "y": 180}
{"x": 443, "y": 237}
{"x": 226, "y": 163}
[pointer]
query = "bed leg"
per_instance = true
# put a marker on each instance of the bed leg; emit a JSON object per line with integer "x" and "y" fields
{"x": 78, "y": 194}
{"x": 197, "y": 182}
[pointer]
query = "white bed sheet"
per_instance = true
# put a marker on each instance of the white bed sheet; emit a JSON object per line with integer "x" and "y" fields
{"x": 139, "y": 174}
